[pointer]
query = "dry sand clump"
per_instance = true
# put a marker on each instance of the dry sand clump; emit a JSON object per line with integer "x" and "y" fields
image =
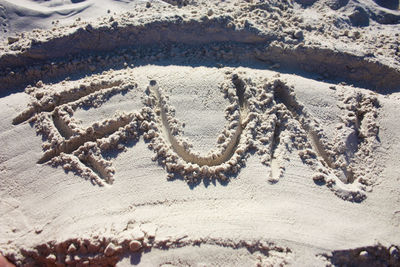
{"x": 224, "y": 133}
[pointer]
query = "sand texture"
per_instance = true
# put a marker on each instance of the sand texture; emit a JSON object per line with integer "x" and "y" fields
{"x": 200, "y": 133}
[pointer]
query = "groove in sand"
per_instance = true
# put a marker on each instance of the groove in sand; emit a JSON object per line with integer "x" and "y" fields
{"x": 64, "y": 97}
{"x": 187, "y": 155}
{"x": 282, "y": 95}
{"x": 75, "y": 142}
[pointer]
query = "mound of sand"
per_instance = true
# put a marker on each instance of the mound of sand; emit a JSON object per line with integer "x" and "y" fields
{"x": 200, "y": 133}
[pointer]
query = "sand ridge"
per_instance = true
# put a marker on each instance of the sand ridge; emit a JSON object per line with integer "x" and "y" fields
{"x": 265, "y": 107}
{"x": 286, "y": 179}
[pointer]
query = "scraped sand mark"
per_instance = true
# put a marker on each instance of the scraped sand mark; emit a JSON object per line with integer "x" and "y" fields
{"x": 270, "y": 121}
{"x": 252, "y": 123}
{"x": 80, "y": 149}
{"x": 263, "y": 116}
{"x": 107, "y": 250}
{"x": 361, "y": 113}
{"x": 375, "y": 255}
{"x": 347, "y": 164}
{"x": 124, "y": 40}
{"x": 181, "y": 150}
{"x": 50, "y": 101}
{"x": 50, "y": 55}
{"x": 176, "y": 153}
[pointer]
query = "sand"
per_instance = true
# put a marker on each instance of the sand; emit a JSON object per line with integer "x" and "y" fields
{"x": 200, "y": 133}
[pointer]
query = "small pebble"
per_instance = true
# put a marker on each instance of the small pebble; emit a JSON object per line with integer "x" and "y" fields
{"x": 110, "y": 250}
{"x": 51, "y": 258}
{"x": 364, "y": 254}
{"x": 298, "y": 34}
{"x": 71, "y": 248}
{"x": 394, "y": 253}
{"x": 12, "y": 40}
{"x": 135, "y": 245}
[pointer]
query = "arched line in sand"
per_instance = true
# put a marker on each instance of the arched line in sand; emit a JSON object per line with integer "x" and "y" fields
{"x": 186, "y": 155}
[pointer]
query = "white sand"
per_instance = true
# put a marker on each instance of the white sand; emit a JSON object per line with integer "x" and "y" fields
{"x": 233, "y": 134}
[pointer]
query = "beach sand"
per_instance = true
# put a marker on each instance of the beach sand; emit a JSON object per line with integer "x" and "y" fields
{"x": 200, "y": 133}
